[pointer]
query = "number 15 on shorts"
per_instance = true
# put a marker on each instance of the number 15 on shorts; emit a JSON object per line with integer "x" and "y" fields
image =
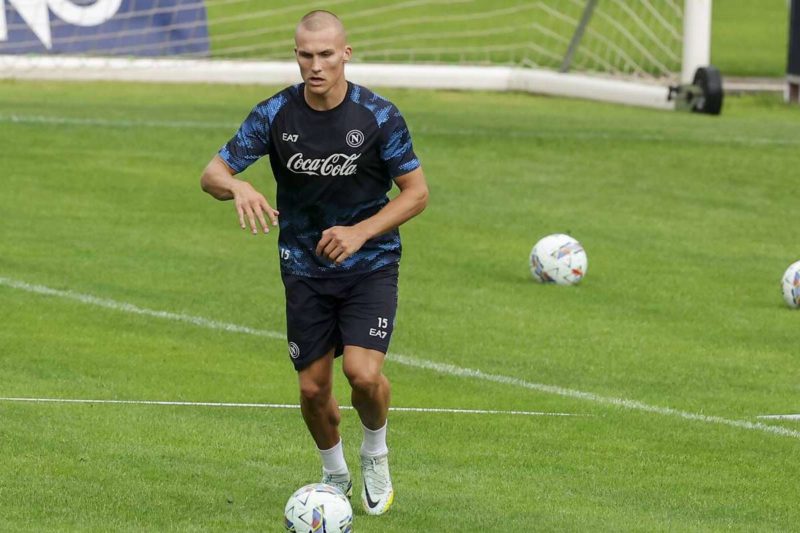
{"x": 380, "y": 331}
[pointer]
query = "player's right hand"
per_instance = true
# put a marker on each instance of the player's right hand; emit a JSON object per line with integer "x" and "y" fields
{"x": 252, "y": 206}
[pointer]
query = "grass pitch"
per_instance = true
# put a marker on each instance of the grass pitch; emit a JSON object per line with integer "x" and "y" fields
{"x": 687, "y": 221}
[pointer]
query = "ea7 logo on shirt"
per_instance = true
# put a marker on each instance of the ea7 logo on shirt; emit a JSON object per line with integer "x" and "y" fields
{"x": 333, "y": 165}
{"x": 291, "y": 137}
{"x": 354, "y": 138}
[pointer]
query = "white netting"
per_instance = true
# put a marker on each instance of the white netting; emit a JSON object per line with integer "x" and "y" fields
{"x": 640, "y": 38}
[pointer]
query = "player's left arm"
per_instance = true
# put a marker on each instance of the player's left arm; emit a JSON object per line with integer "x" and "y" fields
{"x": 340, "y": 242}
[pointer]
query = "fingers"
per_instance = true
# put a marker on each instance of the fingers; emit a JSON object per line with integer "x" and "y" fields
{"x": 336, "y": 253}
{"x": 323, "y": 242}
{"x": 271, "y": 213}
{"x": 339, "y": 256}
{"x": 251, "y": 206}
{"x": 332, "y": 246}
{"x": 254, "y": 215}
{"x": 329, "y": 243}
{"x": 240, "y": 210}
{"x": 252, "y": 218}
{"x": 262, "y": 220}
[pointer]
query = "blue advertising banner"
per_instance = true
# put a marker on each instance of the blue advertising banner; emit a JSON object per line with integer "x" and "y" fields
{"x": 104, "y": 27}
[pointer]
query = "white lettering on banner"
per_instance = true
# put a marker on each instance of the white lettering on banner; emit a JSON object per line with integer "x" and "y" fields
{"x": 35, "y": 14}
{"x": 333, "y": 165}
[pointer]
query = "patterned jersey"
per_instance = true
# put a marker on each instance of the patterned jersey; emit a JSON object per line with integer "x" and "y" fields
{"x": 332, "y": 168}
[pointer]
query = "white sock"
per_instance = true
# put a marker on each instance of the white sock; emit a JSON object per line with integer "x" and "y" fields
{"x": 333, "y": 459}
{"x": 374, "y": 443}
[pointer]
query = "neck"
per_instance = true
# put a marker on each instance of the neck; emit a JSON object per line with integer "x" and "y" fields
{"x": 328, "y": 100}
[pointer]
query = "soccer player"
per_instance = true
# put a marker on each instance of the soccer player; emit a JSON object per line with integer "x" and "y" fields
{"x": 335, "y": 149}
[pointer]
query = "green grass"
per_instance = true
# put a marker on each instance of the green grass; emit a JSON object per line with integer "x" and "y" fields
{"x": 687, "y": 223}
{"x": 750, "y": 38}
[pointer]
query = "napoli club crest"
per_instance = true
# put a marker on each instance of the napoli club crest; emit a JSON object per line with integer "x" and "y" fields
{"x": 294, "y": 350}
{"x": 354, "y": 138}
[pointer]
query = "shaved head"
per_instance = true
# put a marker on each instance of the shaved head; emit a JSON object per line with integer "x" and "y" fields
{"x": 320, "y": 20}
{"x": 321, "y": 50}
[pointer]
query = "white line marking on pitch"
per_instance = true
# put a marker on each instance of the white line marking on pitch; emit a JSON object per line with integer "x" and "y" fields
{"x": 780, "y": 417}
{"x": 287, "y": 406}
{"x": 136, "y": 310}
{"x": 119, "y": 123}
{"x": 441, "y": 368}
{"x": 525, "y": 134}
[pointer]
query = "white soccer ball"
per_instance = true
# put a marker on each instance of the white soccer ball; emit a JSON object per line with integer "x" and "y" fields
{"x": 791, "y": 285}
{"x": 318, "y": 508}
{"x": 558, "y": 259}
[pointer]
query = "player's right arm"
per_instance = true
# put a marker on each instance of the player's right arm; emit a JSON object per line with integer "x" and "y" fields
{"x": 250, "y": 143}
{"x": 219, "y": 181}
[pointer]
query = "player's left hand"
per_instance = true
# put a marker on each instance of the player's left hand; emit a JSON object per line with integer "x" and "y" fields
{"x": 340, "y": 242}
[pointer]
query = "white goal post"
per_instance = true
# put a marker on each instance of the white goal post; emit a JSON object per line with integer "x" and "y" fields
{"x": 622, "y": 51}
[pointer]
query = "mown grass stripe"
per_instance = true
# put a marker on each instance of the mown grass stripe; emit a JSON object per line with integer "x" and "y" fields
{"x": 461, "y": 132}
{"x": 441, "y": 368}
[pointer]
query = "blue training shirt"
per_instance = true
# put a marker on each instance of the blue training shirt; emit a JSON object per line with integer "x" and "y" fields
{"x": 332, "y": 168}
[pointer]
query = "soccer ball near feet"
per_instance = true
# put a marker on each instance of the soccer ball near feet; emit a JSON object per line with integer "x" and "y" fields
{"x": 316, "y": 508}
{"x": 558, "y": 259}
{"x": 791, "y": 285}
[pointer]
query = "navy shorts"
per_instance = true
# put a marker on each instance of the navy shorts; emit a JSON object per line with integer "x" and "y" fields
{"x": 326, "y": 313}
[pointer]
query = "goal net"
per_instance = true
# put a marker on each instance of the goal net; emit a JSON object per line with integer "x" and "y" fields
{"x": 641, "y": 41}
{"x": 621, "y": 37}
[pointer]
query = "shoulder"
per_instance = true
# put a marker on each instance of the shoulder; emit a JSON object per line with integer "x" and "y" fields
{"x": 269, "y": 108}
{"x": 381, "y": 108}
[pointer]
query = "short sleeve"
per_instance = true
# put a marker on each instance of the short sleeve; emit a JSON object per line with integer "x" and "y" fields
{"x": 397, "y": 151}
{"x": 251, "y": 142}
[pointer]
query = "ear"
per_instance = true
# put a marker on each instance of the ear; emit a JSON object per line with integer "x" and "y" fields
{"x": 348, "y": 53}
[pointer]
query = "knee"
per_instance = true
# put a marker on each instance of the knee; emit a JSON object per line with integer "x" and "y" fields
{"x": 364, "y": 381}
{"x": 314, "y": 393}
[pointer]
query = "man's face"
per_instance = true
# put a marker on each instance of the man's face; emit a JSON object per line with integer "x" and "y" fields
{"x": 321, "y": 55}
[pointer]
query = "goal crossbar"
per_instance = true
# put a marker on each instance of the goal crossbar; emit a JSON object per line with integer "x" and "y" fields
{"x": 277, "y": 73}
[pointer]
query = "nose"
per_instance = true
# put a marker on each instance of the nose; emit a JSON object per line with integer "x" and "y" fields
{"x": 316, "y": 65}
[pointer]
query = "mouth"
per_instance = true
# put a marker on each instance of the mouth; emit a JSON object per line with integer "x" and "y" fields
{"x": 316, "y": 80}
